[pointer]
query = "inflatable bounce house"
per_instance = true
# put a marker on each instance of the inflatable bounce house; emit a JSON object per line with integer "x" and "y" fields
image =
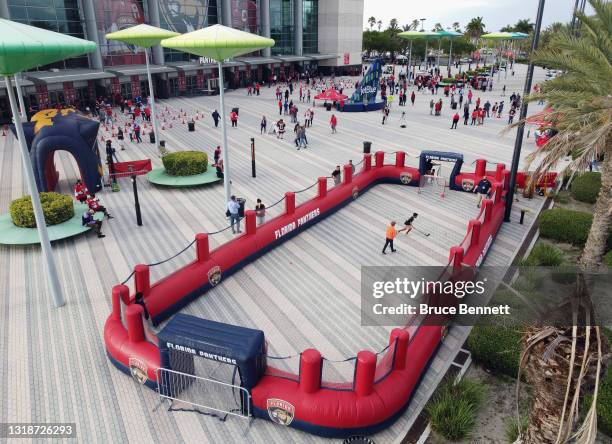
{"x": 53, "y": 130}
{"x": 382, "y": 383}
{"x": 364, "y": 97}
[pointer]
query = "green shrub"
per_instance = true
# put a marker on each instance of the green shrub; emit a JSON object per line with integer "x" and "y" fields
{"x": 586, "y": 186}
{"x": 566, "y": 225}
{"x": 562, "y": 197}
{"x": 454, "y": 408}
{"x": 546, "y": 255}
{"x": 607, "y": 259}
{"x": 498, "y": 348}
{"x": 57, "y": 208}
{"x": 185, "y": 163}
{"x": 512, "y": 428}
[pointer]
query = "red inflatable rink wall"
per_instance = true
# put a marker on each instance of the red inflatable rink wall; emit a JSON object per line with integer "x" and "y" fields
{"x": 382, "y": 385}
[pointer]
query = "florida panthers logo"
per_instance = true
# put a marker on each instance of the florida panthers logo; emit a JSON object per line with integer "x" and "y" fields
{"x": 214, "y": 275}
{"x": 467, "y": 185}
{"x": 138, "y": 369}
{"x": 406, "y": 178}
{"x": 281, "y": 412}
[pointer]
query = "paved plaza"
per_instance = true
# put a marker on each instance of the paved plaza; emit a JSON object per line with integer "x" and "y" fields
{"x": 305, "y": 293}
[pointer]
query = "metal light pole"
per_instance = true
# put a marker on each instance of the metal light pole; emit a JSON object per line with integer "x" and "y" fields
{"x": 20, "y": 97}
{"x": 518, "y": 144}
{"x": 422, "y": 21}
{"x": 136, "y": 202}
{"x": 224, "y": 148}
{"x": 253, "y": 157}
{"x": 156, "y": 133}
{"x": 41, "y": 226}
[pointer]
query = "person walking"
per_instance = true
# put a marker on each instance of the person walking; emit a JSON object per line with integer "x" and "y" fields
{"x": 216, "y": 116}
{"x": 137, "y": 133}
{"x": 482, "y": 189}
{"x": 511, "y": 115}
{"x": 311, "y": 116}
{"x": 263, "y": 125}
{"x": 280, "y": 132}
{"x": 233, "y": 208}
{"x": 352, "y": 166}
{"x": 390, "y": 234}
{"x": 466, "y": 114}
{"x": 280, "y": 107}
{"x": 260, "y": 212}
{"x": 412, "y": 98}
{"x": 455, "y": 121}
{"x": 337, "y": 175}
{"x": 333, "y": 122}
{"x": 500, "y": 109}
{"x": 431, "y": 107}
{"x": 217, "y": 154}
{"x": 474, "y": 116}
{"x": 234, "y": 119}
{"x": 408, "y": 224}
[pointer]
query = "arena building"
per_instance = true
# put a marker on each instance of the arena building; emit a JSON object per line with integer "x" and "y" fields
{"x": 311, "y": 36}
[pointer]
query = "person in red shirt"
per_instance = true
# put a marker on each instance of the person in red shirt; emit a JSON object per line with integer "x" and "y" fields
{"x": 147, "y": 113}
{"x": 280, "y": 107}
{"x": 80, "y": 191}
{"x": 481, "y": 115}
{"x": 93, "y": 203}
{"x": 478, "y": 102}
{"x": 455, "y": 121}
{"x": 333, "y": 122}
{"x": 234, "y": 119}
{"x": 474, "y": 117}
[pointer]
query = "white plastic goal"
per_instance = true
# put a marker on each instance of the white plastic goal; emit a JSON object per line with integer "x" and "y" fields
{"x": 433, "y": 185}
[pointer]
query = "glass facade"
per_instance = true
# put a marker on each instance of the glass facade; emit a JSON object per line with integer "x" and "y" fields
{"x": 185, "y": 16}
{"x": 281, "y": 26}
{"x": 54, "y": 15}
{"x": 310, "y": 36}
{"x": 111, "y": 16}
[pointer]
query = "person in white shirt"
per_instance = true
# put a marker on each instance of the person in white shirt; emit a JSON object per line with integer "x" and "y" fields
{"x": 232, "y": 211}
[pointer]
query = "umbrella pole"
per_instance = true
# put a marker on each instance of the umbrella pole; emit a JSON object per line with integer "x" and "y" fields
{"x": 450, "y": 54}
{"x": 409, "y": 63}
{"x": 152, "y": 104}
{"x": 501, "y": 59}
{"x": 41, "y": 226}
{"x": 439, "y": 49}
{"x": 426, "y": 47}
{"x": 226, "y": 169}
{"x": 20, "y": 97}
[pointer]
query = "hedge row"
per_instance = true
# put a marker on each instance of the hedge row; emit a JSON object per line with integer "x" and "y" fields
{"x": 185, "y": 163}
{"x": 586, "y": 186}
{"x": 498, "y": 348}
{"x": 57, "y": 208}
{"x": 545, "y": 254}
{"x": 567, "y": 226}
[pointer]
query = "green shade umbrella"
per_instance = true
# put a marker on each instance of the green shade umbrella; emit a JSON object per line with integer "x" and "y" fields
{"x": 519, "y": 36}
{"x": 418, "y": 35}
{"x": 219, "y": 42}
{"x": 497, "y": 36}
{"x": 145, "y": 36}
{"x": 448, "y": 35}
{"x": 23, "y": 47}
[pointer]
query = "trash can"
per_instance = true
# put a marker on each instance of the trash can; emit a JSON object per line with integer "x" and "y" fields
{"x": 236, "y": 110}
{"x": 241, "y": 202}
{"x": 367, "y": 146}
{"x": 191, "y": 126}
{"x": 328, "y": 106}
{"x": 152, "y": 137}
{"x": 162, "y": 143}
{"x": 454, "y": 105}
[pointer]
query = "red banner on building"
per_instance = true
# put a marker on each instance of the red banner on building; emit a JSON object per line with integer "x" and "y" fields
{"x": 91, "y": 89}
{"x": 347, "y": 58}
{"x": 42, "y": 95}
{"x": 115, "y": 86}
{"x": 69, "y": 93}
{"x": 200, "y": 78}
{"x": 182, "y": 83}
{"x": 135, "y": 85}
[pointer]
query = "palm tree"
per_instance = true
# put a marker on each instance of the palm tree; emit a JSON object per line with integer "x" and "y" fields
{"x": 456, "y": 27}
{"x": 372, "y": 22}
{"x": 475, "y": 28}
{"x": 562, "y": 364}
{"x": 415, "y": 25}
{"x": 524, "y": 26}
{"x": 394, "y": 24}
{"x": 438, "y": 27}
{"x": 582, "y": 112}
{"x": 507, "y": 28}
{"x": 379, "y": 24}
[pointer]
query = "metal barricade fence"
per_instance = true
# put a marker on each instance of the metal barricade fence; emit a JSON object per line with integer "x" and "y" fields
{"x": 205, "y": 393}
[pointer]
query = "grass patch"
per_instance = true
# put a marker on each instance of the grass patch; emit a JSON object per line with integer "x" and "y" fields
{"x": 496, "y": 347}
{"x": 454, "y": 408}
{"x": 512, "y": 428}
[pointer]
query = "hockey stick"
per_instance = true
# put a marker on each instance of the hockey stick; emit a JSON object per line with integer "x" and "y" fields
{"x": 421, "y": 232}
